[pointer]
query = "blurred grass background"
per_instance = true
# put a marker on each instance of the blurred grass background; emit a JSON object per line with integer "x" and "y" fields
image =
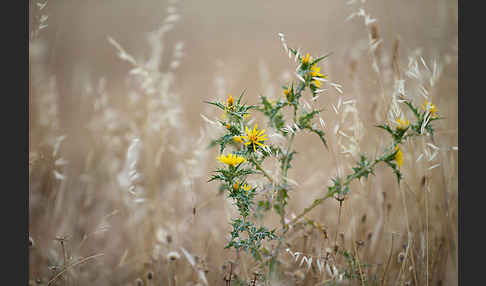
{"x": 233, "y": 41}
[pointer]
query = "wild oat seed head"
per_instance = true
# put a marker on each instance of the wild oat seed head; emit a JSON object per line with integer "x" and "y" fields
{"x": 173, "y": 255}
{"x": 161, "y": 235}
{"x": 139, "y": 282}
{"x": 401, "y": 257}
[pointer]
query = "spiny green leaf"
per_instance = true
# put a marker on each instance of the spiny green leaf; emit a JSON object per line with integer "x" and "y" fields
{"x": 320, "y": 58}
{"x": 414, "y": 110}
{"x": 321, "y": 134}
{"x": 218, "y": 104}
{"x": 241, "y": 95}
{"x": 386, "y": 127}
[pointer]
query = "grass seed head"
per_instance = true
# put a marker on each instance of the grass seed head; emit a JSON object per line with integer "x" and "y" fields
{"x": 139, "y": 282}
{"x": 173, "y": 256}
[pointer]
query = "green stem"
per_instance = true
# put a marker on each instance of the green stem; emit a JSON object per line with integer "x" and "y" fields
{"x": 311, "y": 207}
{"x": 259, "y": 168}
{"x": 319, "y": 201}
{"x": 285, "y": 163}
{"x": 282, "y": 210}
{"x": 361, "y": 172}
{"x": 284, "y": 179}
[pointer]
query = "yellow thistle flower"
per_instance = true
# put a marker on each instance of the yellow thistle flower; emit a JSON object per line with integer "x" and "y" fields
{"x": 402, "y": 124}
{"x": 237, "y": 139}
{"x": 230, "y": 100}
{"x": 231, "y": 159}
{"x": 254, "y": 137}
{"x": 246, "y": 188}
{"x": 317, "y": 83}
{"x": 430, "y": 107}
{"x": 287, "y": 91}
{"x": 315, "y": 71}
{"x": 307, "y": 59}
{"x": 398, "y": 156}
{"x": 229, "y": 106}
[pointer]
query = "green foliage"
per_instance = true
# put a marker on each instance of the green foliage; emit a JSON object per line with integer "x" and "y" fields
{"x": 320, "y": 59}
{"x": 243, "y": 199}
{"x": 364, "y": 169}
{"x": 255, "y": 236}
{"x": 281, "y": 203}
{"x": 339, "y": 187}
{"x": 222, "y": 141}
{"x": 232, "y": 177}
{"x": 230, "y": 174}
{"x": 423, "y": 120}
{"x": 352, "y": 271}
{"x": 286, "y": 159}
{"x": 273, "y": 112}
{"x": 262, "y": 206}
{"x": 304, "y": 122}
{"x": 246, "y": 235}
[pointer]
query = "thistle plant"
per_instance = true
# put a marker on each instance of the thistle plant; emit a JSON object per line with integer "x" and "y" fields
{"x": 244, "y": 148}
{"x": 250, "y": 150}
{"x": 392, "y": 156}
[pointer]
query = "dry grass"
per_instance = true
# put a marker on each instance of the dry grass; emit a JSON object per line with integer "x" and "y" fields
{"x": 118, "y": 153}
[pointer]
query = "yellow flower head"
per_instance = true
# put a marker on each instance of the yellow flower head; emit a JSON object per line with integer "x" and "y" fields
{"x": 398, "y": 156}
{"x": 231, "y": 159}
{"x": 287, "y": 91}
{"x": 315, "y": 71}
{"x": 230, "y": 100}
{"x": 246, "y": 188}
{"x": 317, "y": 83}
{"x": 402, "y": 124}
{"x": 237, "y": 139}
{"x": 306, "y": 59}
{"x": 229, "y": 106}
{"x": 430, "y": 107}
{"x": 254, "y": 137}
